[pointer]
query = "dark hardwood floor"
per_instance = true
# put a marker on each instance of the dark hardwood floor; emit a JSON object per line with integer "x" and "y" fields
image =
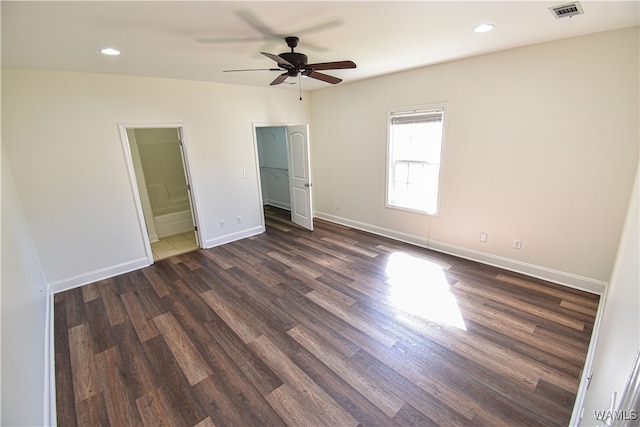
{"x": 335, "y": 327}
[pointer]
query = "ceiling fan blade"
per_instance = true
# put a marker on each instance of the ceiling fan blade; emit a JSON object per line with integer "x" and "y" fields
{"x": 254, "y": 22}
{"x": 282, "y": 77}
{"x": 325, "y": 78}
{"x": 337, "y": 65}
{"x": 277, "y": 59}
{"x": 253, "y": 69}
{"x": 316, "y": 28}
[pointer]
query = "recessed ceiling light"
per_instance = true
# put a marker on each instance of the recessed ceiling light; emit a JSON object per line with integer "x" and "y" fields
{"x": 110, "y": 51}
{"x": 483, "y": 28}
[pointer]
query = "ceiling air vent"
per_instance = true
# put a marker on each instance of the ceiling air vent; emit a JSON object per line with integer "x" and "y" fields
{"x": 567, "y": 10}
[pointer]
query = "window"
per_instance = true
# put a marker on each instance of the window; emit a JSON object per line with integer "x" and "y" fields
{"x": 414, "y": 151}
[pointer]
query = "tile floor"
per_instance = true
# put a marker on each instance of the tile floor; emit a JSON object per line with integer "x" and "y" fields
{"x": 174, "y": 245}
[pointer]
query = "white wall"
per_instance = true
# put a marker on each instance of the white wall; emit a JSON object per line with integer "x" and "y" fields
{"x": 61, "y": 135}
{"x": 541, "y": 144}
{"x": 23, "y": 315}
{"x": 618, "y": 339}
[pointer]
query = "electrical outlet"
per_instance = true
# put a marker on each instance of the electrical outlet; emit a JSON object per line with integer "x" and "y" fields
{"x": 239, "y": 220}
{"x": 483, "y": 237}
{"x": 222, "y": 223}
{"x": 338, "y": 206}
{"x": 517, "y": 244}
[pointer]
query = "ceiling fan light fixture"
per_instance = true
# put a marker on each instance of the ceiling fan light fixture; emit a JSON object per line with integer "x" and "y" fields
{"x": 483, "y": 28}
{"x": 109, "y": 51}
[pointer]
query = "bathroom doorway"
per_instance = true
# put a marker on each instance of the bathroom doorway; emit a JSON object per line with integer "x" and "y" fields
{"x": 163, "y": 190}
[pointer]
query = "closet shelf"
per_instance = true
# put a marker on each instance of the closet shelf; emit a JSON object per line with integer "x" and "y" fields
{"x": 271, "y": 171}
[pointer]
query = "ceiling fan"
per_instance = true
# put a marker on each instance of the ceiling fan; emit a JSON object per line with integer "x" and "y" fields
{"x": 294, "y": 64}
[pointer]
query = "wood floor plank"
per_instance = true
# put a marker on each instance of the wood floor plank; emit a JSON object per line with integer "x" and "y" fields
{"x": 119, "y": 402}
{"x": 207, "y": 422}
{"x": 83, "y": 368}
{"x": 92, "y": 411}
{"x": 155, "y": 410}
{"x": 229, "y": 382}
{"x": 157, "y": 282}
{"x": 582, "y": 299}
{"x": 368, "y": 386}
{"x": 231, "y": 316}
{"x": 222, "y": 404}
{"x": 66, "y": 408}
{"x": 180, "y": 399}
{"x": 144, "y": 328}
{"x": 292, "y": 410}
{"x": 360, "y": 407}
{"x": 358, "y": 323}
{"x": 193, "y": 365}
{"x": 292, "y": 327}
{"x": 136, "y": 373}
{"x": 525, "y": 306}
{"x": 91, "y": 292}
{"x": 317, "y": 403}
{"x": 76, "y": 312}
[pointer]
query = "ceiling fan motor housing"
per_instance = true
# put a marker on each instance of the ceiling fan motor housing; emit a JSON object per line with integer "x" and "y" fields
{"x": 298, "y": 60}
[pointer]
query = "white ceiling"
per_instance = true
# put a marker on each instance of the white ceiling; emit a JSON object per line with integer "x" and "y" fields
{"x": 198, "y": 40}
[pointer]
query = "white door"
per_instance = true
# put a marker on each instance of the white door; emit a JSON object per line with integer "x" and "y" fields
{"x": 300, "y": 176}
{"x": 188, "y": 180}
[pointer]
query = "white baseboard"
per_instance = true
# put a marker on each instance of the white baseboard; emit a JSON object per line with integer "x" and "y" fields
{"x": 551, "y": 275}
{"x": 232, "y": 237}
{"x": 587, "y": 369}
{"x": 94, "y": 276}
{"x": 50, "y": 414}
{"x": 381, "y": 231}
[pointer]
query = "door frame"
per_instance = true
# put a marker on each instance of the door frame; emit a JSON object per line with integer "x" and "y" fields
{"x": 254, "y": 127}
{"x": 133, "y": 181}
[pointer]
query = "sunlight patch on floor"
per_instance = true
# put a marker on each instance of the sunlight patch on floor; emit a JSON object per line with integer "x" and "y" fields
{"x": 419, "y": 288}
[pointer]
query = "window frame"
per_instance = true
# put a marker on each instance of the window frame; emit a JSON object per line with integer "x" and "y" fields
{"x": 389, "y": 167}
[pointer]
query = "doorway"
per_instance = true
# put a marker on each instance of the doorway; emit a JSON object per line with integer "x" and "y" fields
{"x": 162, "y": 188}
{"x": 285, "y": 170}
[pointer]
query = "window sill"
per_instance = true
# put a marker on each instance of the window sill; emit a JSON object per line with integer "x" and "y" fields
{"x": 414, "y": 210}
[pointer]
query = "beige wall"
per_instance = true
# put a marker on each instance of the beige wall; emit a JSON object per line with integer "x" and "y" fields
{"x": 61, "y": 134}
{"x": 541, "y": 144}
